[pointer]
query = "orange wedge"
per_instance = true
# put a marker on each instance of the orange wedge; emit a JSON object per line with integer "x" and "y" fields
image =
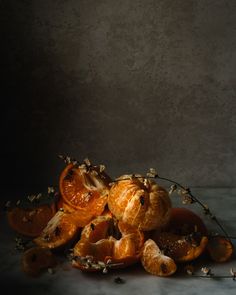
{"x": 155, "y": 262}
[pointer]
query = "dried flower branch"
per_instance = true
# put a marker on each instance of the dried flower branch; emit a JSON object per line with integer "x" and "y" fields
{"x": 89, "y": 263}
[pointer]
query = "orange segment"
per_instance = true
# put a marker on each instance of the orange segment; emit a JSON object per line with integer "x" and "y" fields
{"x": 84, "y": 189}
{"x": 133, "y": 233}
{"x": 97, "y": 229}
{"x": 37, "y": 259}
{"x": 155, "y": 262}
{"x": 220, "y": 249}
{"x": 98, "y": 252}
{"x": 30, "y": 222}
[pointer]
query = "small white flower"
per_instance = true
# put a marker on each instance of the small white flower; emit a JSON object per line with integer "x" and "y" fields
{"x": 206, "y": 271}
{"x": 51, "y": 190}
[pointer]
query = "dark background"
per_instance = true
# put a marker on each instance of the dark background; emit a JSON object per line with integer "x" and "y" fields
{"x": 130, "y": 84}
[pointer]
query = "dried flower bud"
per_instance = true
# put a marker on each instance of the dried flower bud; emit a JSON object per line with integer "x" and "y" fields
{"x": 8, "y": 204}
{"x": 206, "y": 209}
{"x": 152, "y": 173}
{"x": 206, "y": 271}
{"x": 87, "y": 162}
{"x": 50, "y": 271}
{"x": 102, "y": 168}
{"x": 233, "y": 273}
{"x": 187, "y": 200}
{"x": 189, "y": 269}
{"x": 31, "y": 198}
{"x": 173, "y": 188}
{"x": 51, "y": 190}
{"x": 38, "y": 196}
{"x": 105, "y": 270}
{"x": 18, "y": 203}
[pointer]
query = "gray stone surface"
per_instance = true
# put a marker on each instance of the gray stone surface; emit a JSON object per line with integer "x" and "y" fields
{"x": 132, "y": 84}
{"x": 70, "y": 281}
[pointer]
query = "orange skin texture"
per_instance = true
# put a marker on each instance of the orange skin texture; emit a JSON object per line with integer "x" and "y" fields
{"x": 140, "y": 203}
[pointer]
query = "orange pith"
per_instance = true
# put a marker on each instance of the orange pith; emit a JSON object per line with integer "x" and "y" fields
{"x": 155, "y": 262}
{"x": 82, "y": 189}
{"x": 30, "y": 221}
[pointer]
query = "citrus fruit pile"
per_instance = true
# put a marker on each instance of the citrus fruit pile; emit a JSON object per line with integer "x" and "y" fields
{"x": 112, "y": 224}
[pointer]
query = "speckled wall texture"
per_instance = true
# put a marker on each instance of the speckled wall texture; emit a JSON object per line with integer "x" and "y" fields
{"x": 132, "y": 84}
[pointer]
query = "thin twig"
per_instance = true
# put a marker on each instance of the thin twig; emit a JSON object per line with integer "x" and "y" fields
{"x": 206, "y": 210}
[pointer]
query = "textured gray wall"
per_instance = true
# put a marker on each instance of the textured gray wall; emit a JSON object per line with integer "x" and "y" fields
{"x": 131, "y": 84}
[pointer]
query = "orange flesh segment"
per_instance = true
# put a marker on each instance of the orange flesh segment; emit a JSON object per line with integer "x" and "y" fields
{"x": 155, "y": 262}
